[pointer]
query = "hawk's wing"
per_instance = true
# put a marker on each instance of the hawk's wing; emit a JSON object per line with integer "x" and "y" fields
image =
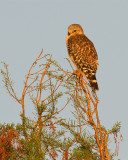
{"x": 82, "y": 52}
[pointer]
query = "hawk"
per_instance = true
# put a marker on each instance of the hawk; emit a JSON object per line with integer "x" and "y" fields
{"x": 82, "y": 53}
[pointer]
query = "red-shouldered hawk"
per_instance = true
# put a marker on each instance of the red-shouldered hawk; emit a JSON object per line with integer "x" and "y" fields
{"x": 83, "y": 54}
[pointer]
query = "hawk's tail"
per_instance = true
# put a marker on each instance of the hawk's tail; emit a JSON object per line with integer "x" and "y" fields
{"x": 93, "y": 82}
{"x": 94, "y": 85}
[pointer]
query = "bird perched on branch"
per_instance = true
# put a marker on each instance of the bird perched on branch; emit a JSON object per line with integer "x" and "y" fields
{"x": 83, "y": 54}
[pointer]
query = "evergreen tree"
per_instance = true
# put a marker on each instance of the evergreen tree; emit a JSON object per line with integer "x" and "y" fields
{"x": 49, "y": 135}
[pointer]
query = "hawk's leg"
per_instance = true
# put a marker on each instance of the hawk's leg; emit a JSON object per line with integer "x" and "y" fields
{"x": 77, "y": 74}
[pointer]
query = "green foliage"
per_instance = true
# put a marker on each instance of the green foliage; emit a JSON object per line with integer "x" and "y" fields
{"x": 116, "y": 128}
{"x": 82, "y": 152}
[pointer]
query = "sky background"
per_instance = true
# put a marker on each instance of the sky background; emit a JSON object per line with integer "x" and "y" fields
{"x": 27, "y": 26}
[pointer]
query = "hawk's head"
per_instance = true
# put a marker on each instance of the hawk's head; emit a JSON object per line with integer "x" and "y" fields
{"x": 75, "y": 29}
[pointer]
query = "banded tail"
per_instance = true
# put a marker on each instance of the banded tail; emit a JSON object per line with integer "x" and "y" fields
{"x": 93, "y": 82}
{"x": 91, "y": 77}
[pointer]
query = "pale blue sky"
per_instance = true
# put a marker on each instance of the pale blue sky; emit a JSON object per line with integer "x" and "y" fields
{"x": 27, "y": 26}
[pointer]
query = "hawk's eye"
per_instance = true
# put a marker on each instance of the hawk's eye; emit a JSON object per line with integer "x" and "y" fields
{"x": 74, "y": 30}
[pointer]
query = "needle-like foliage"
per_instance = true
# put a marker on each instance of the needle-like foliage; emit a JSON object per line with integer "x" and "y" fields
{"x": 55, "y": 93}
